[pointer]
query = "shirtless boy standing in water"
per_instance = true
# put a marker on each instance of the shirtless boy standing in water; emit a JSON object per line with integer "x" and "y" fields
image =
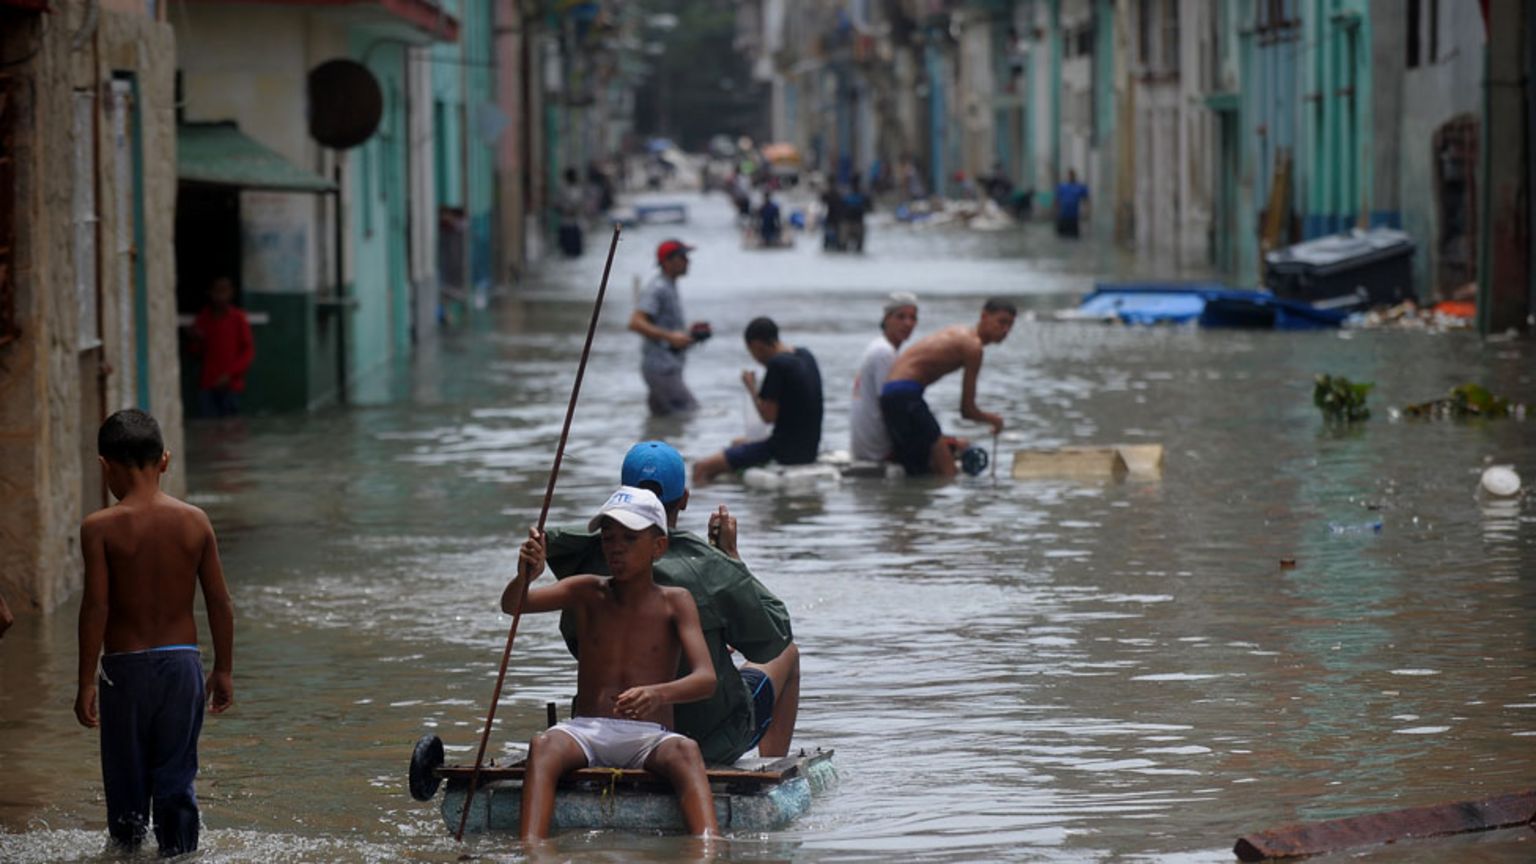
{"x": 632, "y": 634}
{"x": 144, "y": 560}
{"x": 916, "y": 440}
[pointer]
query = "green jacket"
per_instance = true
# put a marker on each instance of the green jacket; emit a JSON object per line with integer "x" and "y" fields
{"x": 735, "y": 611}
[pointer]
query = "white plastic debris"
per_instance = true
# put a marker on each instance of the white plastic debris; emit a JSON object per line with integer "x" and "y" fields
{"x": 1501, "y": 481}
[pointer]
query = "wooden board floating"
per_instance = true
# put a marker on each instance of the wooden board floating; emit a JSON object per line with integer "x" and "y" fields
{"x": 1458, "y": 817}
{"x": 1114, "y": 462}
{"x": 775, "y": 771}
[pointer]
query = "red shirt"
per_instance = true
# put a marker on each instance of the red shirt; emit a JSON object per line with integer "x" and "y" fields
{"x": 227, "y": 347}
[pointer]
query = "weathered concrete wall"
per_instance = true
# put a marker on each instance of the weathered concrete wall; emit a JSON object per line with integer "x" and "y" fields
{"x": 148, "y": 50}
{"x": 1503, "y": 300}
{"x": 48, "y": 413}
{"x": 974, "y": 93}
{"x": 1438, "y": 90}
{"x": 1077, "y": 150}
{"x": 248, "y": 64}
{"x": 1168, "y": 157}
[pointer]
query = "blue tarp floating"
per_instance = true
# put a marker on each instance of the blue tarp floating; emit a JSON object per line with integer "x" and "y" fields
{"x": 1209, "y": 304}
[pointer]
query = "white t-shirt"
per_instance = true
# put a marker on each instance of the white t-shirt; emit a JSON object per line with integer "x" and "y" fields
{"x": 867, "y": 440}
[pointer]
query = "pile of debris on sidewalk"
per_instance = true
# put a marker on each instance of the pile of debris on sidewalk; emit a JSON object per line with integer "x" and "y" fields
{"x": 1408, "y": 315}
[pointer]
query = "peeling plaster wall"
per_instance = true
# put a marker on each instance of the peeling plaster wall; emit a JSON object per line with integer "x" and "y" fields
{"x": 46, "y": 417}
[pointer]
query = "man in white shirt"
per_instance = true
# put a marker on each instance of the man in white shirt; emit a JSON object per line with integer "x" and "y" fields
{"x": 868, "y": 440}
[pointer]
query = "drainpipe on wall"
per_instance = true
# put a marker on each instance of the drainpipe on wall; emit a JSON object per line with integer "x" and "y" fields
{"x": 341, "y": 286}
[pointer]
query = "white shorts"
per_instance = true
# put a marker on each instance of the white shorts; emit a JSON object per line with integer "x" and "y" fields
{"x": 613, "y": 743}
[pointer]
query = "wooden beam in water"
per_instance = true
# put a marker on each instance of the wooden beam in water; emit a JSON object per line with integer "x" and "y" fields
{"x": 1458, "y": 817}
{"x": 770, "y": 774}
{"x": 1114, "y": 462}
{"x": 1070, "y": 462}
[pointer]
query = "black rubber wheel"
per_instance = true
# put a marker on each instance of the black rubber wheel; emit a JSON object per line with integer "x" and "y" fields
{"x": 425, "y": 760}
{"x": 974, "y": 461}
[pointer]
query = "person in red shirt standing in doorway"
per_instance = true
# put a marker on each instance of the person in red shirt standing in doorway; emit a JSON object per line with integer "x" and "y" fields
{"x": 222, "y": 337}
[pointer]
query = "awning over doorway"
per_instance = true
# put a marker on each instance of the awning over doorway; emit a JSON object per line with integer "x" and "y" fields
{"x": 220, "y": 154}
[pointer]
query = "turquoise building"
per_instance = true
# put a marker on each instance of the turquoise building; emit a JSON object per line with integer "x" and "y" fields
{"x": 1306, "y": 111}
{"x": 466, "y": 125}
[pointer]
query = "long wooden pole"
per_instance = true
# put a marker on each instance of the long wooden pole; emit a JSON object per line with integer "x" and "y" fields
{"x": 549, "y": 494}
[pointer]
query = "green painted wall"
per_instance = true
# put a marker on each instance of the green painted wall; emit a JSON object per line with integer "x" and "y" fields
{"x": 1103, "y": 216}
{"x": 1336, "y": 116}
{"x": 463, "y": 86}
{"x": 290, "y": 334}
{"x": 379, "y": 325}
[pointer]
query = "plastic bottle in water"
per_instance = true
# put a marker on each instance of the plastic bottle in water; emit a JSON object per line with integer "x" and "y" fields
{"x": 1371, "y": 527}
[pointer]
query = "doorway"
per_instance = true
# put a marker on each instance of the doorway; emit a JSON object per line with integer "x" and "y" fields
{"x": 207, "y": 247}
{"x": 1455, "y": 164}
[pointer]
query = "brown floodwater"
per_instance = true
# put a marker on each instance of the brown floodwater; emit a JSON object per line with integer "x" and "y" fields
{"x": 1055, "y": 670}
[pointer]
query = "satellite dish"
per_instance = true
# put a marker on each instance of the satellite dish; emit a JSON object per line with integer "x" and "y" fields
{"x": 345, "y": 103}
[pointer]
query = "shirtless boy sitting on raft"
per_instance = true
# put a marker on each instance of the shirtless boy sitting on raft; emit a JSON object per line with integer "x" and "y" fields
{"x": 916, "y": 440}
{"x": 632, "y": 633}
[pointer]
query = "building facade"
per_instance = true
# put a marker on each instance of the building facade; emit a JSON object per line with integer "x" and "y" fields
{"x": 87, "y": 270}
{"x": 1208, "y": 132}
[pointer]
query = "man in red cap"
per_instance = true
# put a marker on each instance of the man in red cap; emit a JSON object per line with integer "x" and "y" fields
{"x": 658, "y": 317}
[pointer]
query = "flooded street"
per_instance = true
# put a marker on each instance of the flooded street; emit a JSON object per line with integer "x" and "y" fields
{"x": 1034, "y": 671}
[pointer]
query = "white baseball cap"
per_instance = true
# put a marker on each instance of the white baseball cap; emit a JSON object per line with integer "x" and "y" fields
{"x": 634, "y": 508}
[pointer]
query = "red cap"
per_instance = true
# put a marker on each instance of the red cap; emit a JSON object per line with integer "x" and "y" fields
{"x": 668, "y": 248}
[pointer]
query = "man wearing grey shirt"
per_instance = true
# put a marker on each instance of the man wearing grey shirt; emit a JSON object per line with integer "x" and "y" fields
{"x": 658, "y": 318}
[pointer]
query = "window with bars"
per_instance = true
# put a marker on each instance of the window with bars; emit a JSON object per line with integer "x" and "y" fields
{"x": 1170, "y": 42}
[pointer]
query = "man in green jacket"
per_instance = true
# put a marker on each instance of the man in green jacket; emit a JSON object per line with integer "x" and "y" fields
{"x": 755, "y": 704}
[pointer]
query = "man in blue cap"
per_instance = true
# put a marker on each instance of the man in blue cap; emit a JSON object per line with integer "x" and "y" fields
{"x": 755, "y": 704}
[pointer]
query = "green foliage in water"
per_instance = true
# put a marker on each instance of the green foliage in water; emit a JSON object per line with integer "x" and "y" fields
{"x": 1340, "y": 399}
{"x": 1468, "y": 400}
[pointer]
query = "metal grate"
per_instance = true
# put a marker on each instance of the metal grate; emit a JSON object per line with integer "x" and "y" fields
{"x": 1456, "y": 150}
{"x": 12, "y": 113}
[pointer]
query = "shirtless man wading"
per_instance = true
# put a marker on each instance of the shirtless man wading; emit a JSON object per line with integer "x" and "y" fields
{"x": 916, "y": 440}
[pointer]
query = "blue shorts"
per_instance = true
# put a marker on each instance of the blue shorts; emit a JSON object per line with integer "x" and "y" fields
{"x": 151, "y": 716}
{"x": 760, "y": 688}
{"x": 748, "y": 455}
{"x": 910, "y": 425}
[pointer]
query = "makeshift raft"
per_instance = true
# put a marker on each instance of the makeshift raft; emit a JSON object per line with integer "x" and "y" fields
{"x": 752, "y": 795}
{"x": 792, "y": 478}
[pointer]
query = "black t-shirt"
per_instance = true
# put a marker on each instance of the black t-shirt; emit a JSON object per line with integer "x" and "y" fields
{"x": 794, "y": 381}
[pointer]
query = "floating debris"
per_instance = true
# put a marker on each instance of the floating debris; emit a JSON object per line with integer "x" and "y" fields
{"x": 1467, "y": 400}
{"x": 1341, "y": 400}
{"x": 1500, "y": 481}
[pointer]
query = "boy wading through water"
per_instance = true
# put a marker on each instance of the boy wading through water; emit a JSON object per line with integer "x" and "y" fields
{"x": 144, "y": 560}
{"x": 633, "y": 634}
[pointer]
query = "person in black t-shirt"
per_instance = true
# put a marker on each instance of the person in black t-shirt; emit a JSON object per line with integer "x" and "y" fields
{"x": 790, "y": 399}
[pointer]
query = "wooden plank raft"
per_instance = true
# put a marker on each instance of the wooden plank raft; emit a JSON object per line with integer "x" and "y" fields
{"x": 770, "y": 774}
{"x": 1457, "y": 817}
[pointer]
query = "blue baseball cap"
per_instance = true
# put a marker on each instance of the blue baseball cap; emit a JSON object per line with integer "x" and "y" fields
{"x": 656, "y": 462}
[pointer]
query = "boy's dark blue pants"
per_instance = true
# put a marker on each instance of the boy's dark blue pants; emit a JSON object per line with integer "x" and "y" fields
{"x": 151, "y": 714}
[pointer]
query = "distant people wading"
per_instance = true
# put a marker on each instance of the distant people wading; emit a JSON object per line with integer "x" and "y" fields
{"x": 658, "y": 317}
{"x": 867, "y": 438}
{"x": 769, "y": 222}
{"x": 573, "y": 207}
{"x": 790, "y": 399}
{"x": 1071, "y": 196}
